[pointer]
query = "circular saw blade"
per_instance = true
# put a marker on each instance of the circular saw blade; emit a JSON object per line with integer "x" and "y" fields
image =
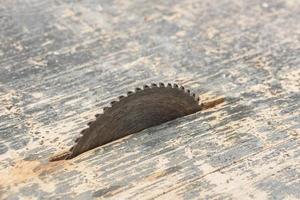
{"x": 145, "y": 107}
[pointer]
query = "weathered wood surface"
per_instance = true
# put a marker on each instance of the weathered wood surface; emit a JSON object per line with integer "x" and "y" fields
{"x": 61, "y": 61}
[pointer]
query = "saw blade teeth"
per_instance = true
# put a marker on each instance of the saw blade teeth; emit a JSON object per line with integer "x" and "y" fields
{"x": 182, "y": 88}
{"x": 97, "y": 115}
{"x": 137, "y": 89}
{"x": 121, "y": 97}
{"x": 90, "y": 123}
{"x": 188, "y": 91}
{"x": 105, "y": 108}
{"x": 113, "y": 102}
{"x": 146, "y": 87}
{"x": 169, "y": 85}
{"x": 198, "y": 99}
{"x": 153, "y": 85}
{"x": 129, "y": 93}
{"x": 161, "y": 85}
{"x": 193, "y": 95}
{"x": 175, "y": 85}
{"x": 82, "y": 132}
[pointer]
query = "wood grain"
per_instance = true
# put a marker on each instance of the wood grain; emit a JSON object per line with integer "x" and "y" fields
{"x": 62, "y": 61}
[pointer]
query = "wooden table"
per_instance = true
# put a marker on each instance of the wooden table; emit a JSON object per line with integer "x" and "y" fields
{"x": 61, "y": 61}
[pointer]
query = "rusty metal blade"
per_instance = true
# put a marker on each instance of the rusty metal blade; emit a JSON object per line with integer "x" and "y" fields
{"x": 145, "y": 107}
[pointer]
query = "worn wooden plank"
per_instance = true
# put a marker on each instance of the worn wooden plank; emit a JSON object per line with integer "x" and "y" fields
{"x": 61, "y": 61}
